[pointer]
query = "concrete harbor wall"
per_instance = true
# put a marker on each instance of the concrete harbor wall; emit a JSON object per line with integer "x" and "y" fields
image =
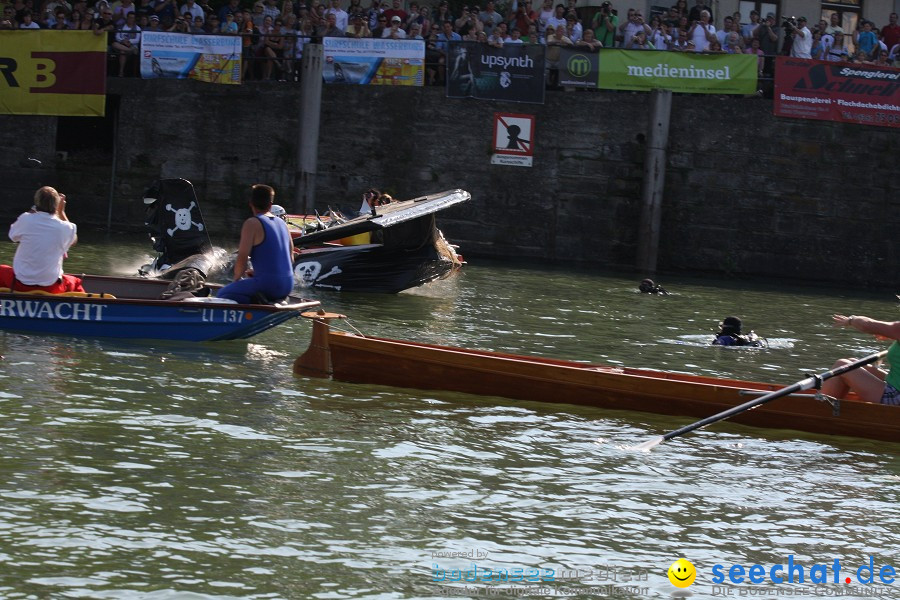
{"x": 746, "y": 193}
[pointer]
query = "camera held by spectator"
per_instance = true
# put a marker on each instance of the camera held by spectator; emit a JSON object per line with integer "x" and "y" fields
{"x": 789, "y": 23}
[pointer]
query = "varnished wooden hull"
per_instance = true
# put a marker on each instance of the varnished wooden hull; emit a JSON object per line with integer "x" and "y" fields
{"x": 368, "y": 360}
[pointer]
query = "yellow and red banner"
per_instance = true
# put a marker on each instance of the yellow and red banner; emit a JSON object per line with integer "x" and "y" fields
{"x": 60, "y": 73}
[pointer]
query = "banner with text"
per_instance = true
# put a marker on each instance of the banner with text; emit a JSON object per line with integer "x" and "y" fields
{"x": 578, "y": 68}
{"x": 57, "y": 73}
{"x": 210, "y": 58}
{"x": 514, "y": 73}
{"x": 687, "y": 72}
{"x": 829, "y": 91}
{"x": 368, "y": 61}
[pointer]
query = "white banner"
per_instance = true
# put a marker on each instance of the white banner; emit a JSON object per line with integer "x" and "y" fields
{"x": 211, "y": 58}
{"x": 368, "y": 61}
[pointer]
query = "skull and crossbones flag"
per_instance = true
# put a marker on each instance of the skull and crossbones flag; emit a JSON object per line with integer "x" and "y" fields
{"x": 174, "y": 220}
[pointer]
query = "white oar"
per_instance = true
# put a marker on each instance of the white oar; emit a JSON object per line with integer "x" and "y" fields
{"x": 805, "y": 384}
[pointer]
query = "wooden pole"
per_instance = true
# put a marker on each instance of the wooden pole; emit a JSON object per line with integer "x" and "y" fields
{"x": 654, "y": 180}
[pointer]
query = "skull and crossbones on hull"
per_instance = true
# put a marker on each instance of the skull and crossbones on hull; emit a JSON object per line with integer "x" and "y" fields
{"x": 183, "y": 220}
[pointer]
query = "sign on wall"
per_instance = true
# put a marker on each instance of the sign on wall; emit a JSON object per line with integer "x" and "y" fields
{"x": 57, "y": 73}
{"x": 829, "y": 91}
{"x": 210, "y": 58}
{"x": 688, "y": 72}
{"x": 514, "y": 72}
{"x": 368, "y": 61}
{"x": 513, "y": 140}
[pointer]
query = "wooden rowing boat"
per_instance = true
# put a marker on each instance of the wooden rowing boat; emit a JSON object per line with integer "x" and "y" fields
{"x": 359, "y": 359}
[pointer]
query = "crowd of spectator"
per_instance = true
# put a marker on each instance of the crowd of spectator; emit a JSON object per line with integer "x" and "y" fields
{"x": 274, "y": 32}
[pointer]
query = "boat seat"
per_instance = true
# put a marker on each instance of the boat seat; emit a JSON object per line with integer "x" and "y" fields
{"x": 260, "y": 298}
{"x": 68, "y": 294}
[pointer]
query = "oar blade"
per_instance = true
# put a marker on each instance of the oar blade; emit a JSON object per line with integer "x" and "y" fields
{"x": 649, "y": 444}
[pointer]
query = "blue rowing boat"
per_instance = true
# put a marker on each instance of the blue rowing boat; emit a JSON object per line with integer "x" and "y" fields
{"x": 135, "y": 308}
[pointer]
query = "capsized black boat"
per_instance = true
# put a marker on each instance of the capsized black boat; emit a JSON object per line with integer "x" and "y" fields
{"x": 179, "y": 235}
{"x": 401, "y": 248}
{"x": 396, "y": 248}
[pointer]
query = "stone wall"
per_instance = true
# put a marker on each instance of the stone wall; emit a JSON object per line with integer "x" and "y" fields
{"x": 746, "y": 193}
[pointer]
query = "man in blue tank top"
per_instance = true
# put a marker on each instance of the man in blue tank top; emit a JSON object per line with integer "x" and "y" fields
{"x": 266, "y": 243}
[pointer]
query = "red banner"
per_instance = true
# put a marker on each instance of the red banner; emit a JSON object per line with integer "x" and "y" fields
{"x": 837, "y": 91}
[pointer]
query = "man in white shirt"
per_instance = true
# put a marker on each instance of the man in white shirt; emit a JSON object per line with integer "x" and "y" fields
{"x": 340, "y": 15}
{"x": 802, "y": 46}
{"x": 44, "y": 235}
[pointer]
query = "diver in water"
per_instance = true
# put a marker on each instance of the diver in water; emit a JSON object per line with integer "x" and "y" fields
{"x": 648, "y": 287}
{"x": 730, "y": 335}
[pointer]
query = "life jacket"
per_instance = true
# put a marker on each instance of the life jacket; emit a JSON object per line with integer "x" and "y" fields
{"x": 751, "y": 339}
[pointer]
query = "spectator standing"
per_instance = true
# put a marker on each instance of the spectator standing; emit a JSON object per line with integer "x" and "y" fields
{"x": 523, "y": 16}
{"x": 9, "y": 14}
{"x": 358, "y": 27}
{"x": 165, "y": 10}
{"x": 802, "y": 44}
{"x": 661, "y": 38}
{"x": 270, "y": 9}
{"x": 867, "y": 41}
{"x": 229, "y": 26}
{"x": 836, "y": 52}
{"x": 414, "y": 17}
{"x": 104, "y": 25}
{"x": 573, "y": 27}
{"x": 605, "y": 24}
{"x": 330, "y": 29}
{"x": 588, "y": 41}
{"x": 555, "y": 20}
{"x": 380, "y": 26}
{"x": 442, "y": 46}
{"x": 341, "y": 19}
{"x": 748, "y": 28}
{"x": 373, "y": 13}
{"x": 755, "y": 49}
{"x": 191, "y": 10}
{"x": 638, "y": 41}
{"x": 274, "y": 44}
{"x": 890, "y": 33}
{"x": 817, "y": 51}
{"x": 154, "y": 24}
{"x": 394, "y": 32}
{"x": 834, "y": 25}
{"x": 441, "y": 13}
{"x": 702, "y": 33}
{"x": 697, "y": 9}
{"x": 629, "y": 28}
{"x": 489, "y": 17}
{"x": 767, "y": 34}
{"x": 197, "y": 25}
{"x": 727, "y": 27}
{"x": 233, "y": 6}
{"x": 59, "y": 21}
{"x": 467, "y": 22}
{"x": 120, "y": 12}
{"x": 258, "y": 15}
{"x": 180, "y": 26}
{"x": 680, "y": 43}
{"x": 128, "y": 41}
{"x": 395, "y": 11}
{"x": 27, "y": 22}
{"x": 556, "y": 40}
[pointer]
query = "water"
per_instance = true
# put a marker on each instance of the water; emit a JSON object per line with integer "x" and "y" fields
{"x": 145, "y": 471}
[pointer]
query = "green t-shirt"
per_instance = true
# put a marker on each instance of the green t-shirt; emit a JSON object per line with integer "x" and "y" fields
{"x": 606, "y": 37}
{"x": 893, "y": 357}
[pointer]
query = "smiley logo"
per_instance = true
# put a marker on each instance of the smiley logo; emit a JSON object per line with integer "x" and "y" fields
{"x": 682, "y": 573}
